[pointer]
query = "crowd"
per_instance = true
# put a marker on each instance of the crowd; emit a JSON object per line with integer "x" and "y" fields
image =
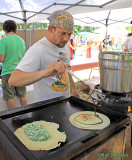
{"x": 109, "y": 43}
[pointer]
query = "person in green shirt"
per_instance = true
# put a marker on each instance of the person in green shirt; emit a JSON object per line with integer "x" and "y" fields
{"x": 12, "y": 50}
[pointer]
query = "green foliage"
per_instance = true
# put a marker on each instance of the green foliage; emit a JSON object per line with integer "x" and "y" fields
{"x": 35, "y": 25}
{"x": 38, "y": 25}
{"x": 85, "y": 28}
{"x": 1, "y": 26}
{"x": 129, "y": 29}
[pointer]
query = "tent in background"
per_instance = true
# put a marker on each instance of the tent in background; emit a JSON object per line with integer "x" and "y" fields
{"x": 25, "y": 11}
{"x": 38, "y": 10}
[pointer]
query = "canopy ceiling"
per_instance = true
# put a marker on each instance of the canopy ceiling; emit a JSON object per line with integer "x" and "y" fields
{"x": 39, "y": 10}
{"x": 118, "y": 17}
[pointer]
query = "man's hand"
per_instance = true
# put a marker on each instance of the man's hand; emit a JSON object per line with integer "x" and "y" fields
{"x": 75, "y": 93}
{"x": 56, "y": 68}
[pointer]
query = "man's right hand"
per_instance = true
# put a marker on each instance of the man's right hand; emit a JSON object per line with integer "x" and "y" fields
{"x": 56, "y": 68}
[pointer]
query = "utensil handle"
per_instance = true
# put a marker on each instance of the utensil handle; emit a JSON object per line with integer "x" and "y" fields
{"x": 73, "y": 74}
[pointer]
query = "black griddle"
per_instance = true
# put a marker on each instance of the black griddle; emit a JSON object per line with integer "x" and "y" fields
{"x": 58, "y": 110}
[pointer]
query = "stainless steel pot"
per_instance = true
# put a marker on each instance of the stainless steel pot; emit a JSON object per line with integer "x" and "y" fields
{"x": 115, "y": 71}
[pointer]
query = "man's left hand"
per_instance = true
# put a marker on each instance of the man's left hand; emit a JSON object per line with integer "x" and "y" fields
{"x": 75, "y": 93}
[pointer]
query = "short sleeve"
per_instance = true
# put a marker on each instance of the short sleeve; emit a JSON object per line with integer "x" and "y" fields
{"x": 2, "y": 46}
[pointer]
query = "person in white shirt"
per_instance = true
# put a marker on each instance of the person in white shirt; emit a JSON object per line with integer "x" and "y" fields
{"x": 45, "y": 62}
{"x": 128, "y": 44}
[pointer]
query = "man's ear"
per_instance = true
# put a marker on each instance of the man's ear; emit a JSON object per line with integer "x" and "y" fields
{"x": 51, "y": 28}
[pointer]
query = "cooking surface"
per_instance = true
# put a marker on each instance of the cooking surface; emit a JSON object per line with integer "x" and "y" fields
{"x": 59, "y": 112}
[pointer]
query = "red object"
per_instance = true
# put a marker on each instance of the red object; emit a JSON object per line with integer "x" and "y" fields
{"x": 100, "y": 47}
{"x": 2, "y": 36}
{"x": 71, "y": 53}
{"x": 82, "y": 66}
{"x": 88, "y": 52}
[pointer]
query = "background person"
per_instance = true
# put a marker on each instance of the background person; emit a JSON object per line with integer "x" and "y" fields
{"x": 45, "y": 62}
{"x": 88, "y": 50}
{"x": 122, "y": 46}
{"x": 72, "y": 46}
{"x": 119, "y": 44}
{"x": 128, "y": 44}
{"x": 107, "y": 42}
{"x": 12, "y": 50}
{"x": 100, "y": 46}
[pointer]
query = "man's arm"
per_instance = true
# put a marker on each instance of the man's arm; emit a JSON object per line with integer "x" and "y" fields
{"x": 2, "y": 57}
{"x": 73, "y": 87}
{"x": 19, "y": 78}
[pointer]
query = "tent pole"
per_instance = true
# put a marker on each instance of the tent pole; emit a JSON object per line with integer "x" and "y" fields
{"x": 25, "y": 27}
{"x": 106, "y": 39}
{"x": 32, "y": 33}
{"x": 106, "y": 29}
{"x": 24, "y": 19}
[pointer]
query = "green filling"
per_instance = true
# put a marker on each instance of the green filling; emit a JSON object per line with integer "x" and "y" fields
{"x": 36, "y": 132}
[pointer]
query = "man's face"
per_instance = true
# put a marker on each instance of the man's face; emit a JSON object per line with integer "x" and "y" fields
{"x": 60, "y": 37}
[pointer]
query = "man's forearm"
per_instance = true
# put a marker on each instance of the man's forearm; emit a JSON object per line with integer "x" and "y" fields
{"x": 19, "y": 78}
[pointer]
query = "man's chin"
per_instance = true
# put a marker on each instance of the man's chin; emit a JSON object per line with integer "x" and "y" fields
{"x": 60, "y": 45}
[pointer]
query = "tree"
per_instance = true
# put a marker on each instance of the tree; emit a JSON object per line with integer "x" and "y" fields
{"x": 129, "y": 29}
{"x": 85, "y": 28}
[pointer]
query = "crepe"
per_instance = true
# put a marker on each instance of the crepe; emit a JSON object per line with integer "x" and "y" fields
{"x": 88, "y": 120}
{"x": 54, "y": 141}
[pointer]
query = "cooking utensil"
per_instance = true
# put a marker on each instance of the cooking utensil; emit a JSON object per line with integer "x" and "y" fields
{"x": 115, "y": 71}
{"x": 85, "y": 87}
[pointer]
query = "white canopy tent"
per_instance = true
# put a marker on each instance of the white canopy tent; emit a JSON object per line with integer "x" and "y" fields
{"x": 116, "y": 17}
{"x": 108, "y": 20}
{"x": 38, "y": 10}
{"x": 85, "y": 12}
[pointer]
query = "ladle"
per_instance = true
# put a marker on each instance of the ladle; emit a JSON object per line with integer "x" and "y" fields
{"x": 85, "y": 87}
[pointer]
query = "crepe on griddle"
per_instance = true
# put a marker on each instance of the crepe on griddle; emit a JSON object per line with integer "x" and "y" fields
{"x": 54, "y": 141}
{"x": 89, "y": 120}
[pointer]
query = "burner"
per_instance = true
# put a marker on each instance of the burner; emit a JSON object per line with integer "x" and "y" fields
{"x": 121, "y": 102}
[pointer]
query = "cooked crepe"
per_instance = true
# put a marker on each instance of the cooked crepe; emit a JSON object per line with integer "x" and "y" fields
{"x": 89, "y": 120}
{"x": 52, "y": 142}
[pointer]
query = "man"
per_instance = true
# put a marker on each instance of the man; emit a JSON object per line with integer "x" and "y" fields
{"x": 44, "y": 63}
{"x": 107, "y": 41}
{"x": 128, "y": 43}
{"x": 12, "y": 50}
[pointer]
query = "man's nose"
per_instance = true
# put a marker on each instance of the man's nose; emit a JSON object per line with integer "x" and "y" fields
{"x": 66, "y": 38}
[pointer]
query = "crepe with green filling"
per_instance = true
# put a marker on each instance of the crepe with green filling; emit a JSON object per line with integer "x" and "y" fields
{"x": 52, "y": 141}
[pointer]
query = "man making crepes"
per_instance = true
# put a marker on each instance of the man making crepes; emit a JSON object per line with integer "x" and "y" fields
{"x": 44, "y": 63}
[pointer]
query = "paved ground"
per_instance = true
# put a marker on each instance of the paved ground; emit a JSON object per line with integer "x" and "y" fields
{"x": 80, "y": 57}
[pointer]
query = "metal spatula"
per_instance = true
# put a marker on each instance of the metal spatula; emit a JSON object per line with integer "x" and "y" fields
{"x": 85, "y": 87}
